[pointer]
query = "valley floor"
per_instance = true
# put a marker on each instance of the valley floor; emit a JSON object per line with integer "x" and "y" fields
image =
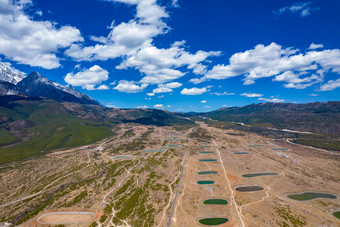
{"x": 157, "y": 176}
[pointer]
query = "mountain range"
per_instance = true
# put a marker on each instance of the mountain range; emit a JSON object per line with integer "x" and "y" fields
{"x": 34, "y": 85}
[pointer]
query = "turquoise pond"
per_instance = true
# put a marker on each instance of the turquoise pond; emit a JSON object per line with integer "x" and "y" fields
{"x": 259, "y": 174}
{"x": 205, "y": 146}
{"x": 176, "y": 145}
{"x": 255, "y": 146}
{"x": 207, "y": 172}
{"x": 279, "y": 149}
{"x": 208, "y": 160}
{"x": 241, "y": 153}
{"x": 153, "y": 150}
{"x": 177, "y": 139}
{"x": 207, "y": 152}
{"x": 172, "y": 148}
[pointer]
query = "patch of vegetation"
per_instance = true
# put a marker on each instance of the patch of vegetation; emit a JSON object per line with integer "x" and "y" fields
{"x": 286, "y": 214}
{"x": 78, "y": 198}
{"x": 7, "y": 138}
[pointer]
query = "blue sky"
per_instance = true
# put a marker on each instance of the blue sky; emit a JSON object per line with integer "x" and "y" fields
{"x": 185, "y": 55}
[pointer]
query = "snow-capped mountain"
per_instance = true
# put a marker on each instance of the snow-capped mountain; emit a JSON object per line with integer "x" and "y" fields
{"x": 35, "y": 85}
{"x": 9, "y": 74}
{"x": 14, "y": 82}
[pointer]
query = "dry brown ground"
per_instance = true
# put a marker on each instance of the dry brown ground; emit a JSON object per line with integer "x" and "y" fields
{"x": 36, "y": 183}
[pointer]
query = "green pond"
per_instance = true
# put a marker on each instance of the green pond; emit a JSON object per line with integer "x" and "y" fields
{"x": 208, "y": 160}
{"x": 207, "y": 172}
{"x": 258, "y": 174}
{"x": 311, "y": 195}
{"x": 213, "y": 221}
{"x": 205, "y": 146}
{"x": 207, "y": 152}
{"x": 249, "y": 188}
{"x": 337, "y": 214}
{"x": 205, "y": 182}
{"x": 241, "y": 153}
{"x": 215, "y": 202}
{"x": 153, "y": 150}
{"x": 255, "y": 146}
{"x": 279, "y": 149}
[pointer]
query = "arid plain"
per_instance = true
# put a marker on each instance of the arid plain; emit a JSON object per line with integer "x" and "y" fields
{"x": 157, "y": 176}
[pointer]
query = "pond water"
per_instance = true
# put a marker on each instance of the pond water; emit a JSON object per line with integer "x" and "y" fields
{"x": 205, "y": 182}
{"x": 311, "y": 195}
{"x": 249, "y": 188}
{"x": 215, "y": 202}
{"x": 258, "y": 174}
{"x": 208, "y": 160}
{"x": 206, "y": 172}
{"x": 213, "y": 221}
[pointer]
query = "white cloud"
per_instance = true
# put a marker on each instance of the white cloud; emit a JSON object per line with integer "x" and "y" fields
{"x": 288, "y": 65}
{"x": 31, "y": 42}
{"x": 150, "y": 94}
{"x": 88, "y": 78}
{"x": 302, "y": 8}
{"x": 206, "y": 106}
{"x": 203, "y": 101}
{"x": 142, "y": 107}
{"x": 160, "y": 65}
{"x": 330, "y": 85}
{"x": 161, "y": 96}
{"x": 102, "y": 87}
{"x": 194, "y": 91}
{"x": 129, "y": 87}
{"x": 169, "y": 106}
{"x": 313, "y": 94}
{"x": 276, "y": 100}
{"x": 164, "y": 88}
{"x": 158, "y": 106}
{"x": 252, "y": 95}
{"x": 219, "y": 94}
{"x": 161, "y": 90}
{"x": 315, "y": 46}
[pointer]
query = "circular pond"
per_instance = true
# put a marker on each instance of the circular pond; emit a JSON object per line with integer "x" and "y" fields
{"x": 259, "y": 174}
{"x": 252, "y": 188}
{"x": 215, "y": 202}
{"x": 205, "y": 182}
{"x": 311, "y": 195}
{"x": 206, "y": 172}
{"x": 213, "y": 221}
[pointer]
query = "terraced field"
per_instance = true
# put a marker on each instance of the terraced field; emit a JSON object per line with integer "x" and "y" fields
{"x": 157, "y": 176}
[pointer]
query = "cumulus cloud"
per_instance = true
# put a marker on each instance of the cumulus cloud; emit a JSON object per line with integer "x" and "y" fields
{"x": 129, "y": 86}
{"x": 298, "y": 70}
{"x": 276, "y": 100}
{"x": 133, "y": 42}
{"x": 203, "y": 101}
{"x": 252, "y": 95}
{"x": 150, "y": 94}
{"x": 315, "y": 46}
{"x": 302, "y": 8}
{"x": 194, "y": 91}
{"x": 158, "y": 106}
{"x": 330, "y": 85}
{"x": 223, "y": 93}
{"x": 31, "y": 42}
{"x": 164, "y": 88}
{"x": 88, "y": 78}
